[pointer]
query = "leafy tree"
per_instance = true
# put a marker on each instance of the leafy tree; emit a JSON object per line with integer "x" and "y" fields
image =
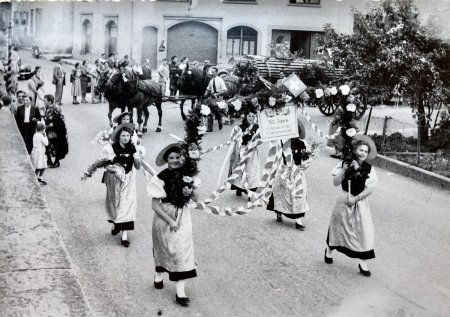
{"x": 390, "y": 51}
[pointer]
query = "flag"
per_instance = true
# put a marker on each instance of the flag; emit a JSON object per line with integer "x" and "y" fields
{"x": 295, "y": 85}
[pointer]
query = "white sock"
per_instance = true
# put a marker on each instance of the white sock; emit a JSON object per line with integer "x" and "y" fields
{"x": 299, "y": 221}
{"x": 363, "y": 265}
{"x": 180, "y": 288}
{"x": 124, "y": 235}
{"x": 329, "y": 252}
{"x": 159, "y": 277}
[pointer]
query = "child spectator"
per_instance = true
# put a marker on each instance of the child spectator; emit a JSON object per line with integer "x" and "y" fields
{"x": 38, "y": 157}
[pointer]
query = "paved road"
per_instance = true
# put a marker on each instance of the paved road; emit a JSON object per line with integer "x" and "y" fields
{"x": 250, "y": 265}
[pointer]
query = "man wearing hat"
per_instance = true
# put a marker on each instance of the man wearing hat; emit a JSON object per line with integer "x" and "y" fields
{"x": 173, "y": 75}
{"x": 59, "y": 81}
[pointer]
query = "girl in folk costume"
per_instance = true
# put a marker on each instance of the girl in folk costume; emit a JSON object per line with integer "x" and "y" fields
{"x": 38, "y": 157}
{"x": 125, "y": 117}
{"x": 283, "y": 201}
{"x": 120, "y": 181}
{"x": 173, "y": 248}
{"x": 242, "y": 135}
{"x": 351, "y": 228}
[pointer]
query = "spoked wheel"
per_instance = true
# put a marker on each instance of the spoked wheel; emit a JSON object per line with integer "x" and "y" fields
{"x": 360, "y": 110}
{"x": 328, "y": 107}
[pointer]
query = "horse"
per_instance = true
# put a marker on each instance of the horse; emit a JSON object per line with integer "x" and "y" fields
{"x": 193, "y": 81}
{"x": 125, "y": 89}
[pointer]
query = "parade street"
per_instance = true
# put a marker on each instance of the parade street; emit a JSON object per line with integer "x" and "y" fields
{"x": 248, "y": 265}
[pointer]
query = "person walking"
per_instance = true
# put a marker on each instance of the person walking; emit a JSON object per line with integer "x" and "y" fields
{"x": 146, "y": 70}
{"x": 282, "y": 201}
{"x": 173, "y": 246}
{"x": 120, "y": 181}
{"x": 163, "y": 72}
{"x": 38, "y": 158}
{"x": 76, "y": 83}
{"x": 173, "y": 75}
{"x": 56, "y": 132}
{"x": 27, "y": 117}
{"x": 351, "y": 228}
{"x": 242, "y": 135}
{"x": 59, "y": 80}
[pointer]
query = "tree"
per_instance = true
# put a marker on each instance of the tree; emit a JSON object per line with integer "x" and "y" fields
{"x": 390, "y": 51}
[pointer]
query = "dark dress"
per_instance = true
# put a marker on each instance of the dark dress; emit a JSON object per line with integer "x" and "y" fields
{"x": 173, "y": 252}
{"x": 57, "y": 134}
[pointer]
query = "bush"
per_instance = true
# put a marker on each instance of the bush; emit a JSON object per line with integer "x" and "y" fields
{"x": 313, "y": 75}
{"x": 440, "y": 137}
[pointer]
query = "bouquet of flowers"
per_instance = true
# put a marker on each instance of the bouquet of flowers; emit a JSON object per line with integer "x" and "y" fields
{"x": 93, "y": 167}
{"x": 275, "y": 98}
{"x": 102, "y": 137}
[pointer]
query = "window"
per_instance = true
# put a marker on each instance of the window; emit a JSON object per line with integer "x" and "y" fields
{"x": 312, "y": 2}
{"x": 241, "y": 40}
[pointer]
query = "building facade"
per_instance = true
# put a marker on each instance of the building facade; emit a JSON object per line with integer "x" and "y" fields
{"x": 214, "y": 30}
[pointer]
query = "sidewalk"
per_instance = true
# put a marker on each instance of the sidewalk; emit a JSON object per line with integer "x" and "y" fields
{"x": 36, "y": 274}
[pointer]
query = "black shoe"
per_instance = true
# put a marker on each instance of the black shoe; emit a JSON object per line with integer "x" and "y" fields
{"x": 42, "y": 181}
{"x": 125, "y": 243}
{"x": 238, "y": 193}
{"x": 299, "y": 226}
{"x": 327, "y": 259}
{"x": 364, "y": 272}
{"x": 220, "y": 125}
{"x": 55, "y": 165}
{"x": 183, "y": 301}
{"x": 209, "y": 130}
{"x": 279, "y": 217}
{"x": 158, "y": 285}
{"x": 115, "y": 231}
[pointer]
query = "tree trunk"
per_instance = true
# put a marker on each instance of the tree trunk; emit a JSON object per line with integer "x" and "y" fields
{"x": 421, "y": 120}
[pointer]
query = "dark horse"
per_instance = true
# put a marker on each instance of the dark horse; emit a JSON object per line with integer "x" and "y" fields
{"x": 124, "y": 89}
{"x": 193, "y": 81}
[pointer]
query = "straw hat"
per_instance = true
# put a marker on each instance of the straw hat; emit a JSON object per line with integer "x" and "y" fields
{"x": 120, "y": 115}
{"x": 119, "y": 128}
{"x": 368, "y": 140}
{"x": 161, "y": 158}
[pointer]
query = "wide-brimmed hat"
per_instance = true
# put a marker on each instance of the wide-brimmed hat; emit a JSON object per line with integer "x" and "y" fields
{"x": 119, "y": 128}
{"x": 119, "y": 116}
{"x": 368, "y": 140}
{"x": 301, "y": 130}
{"x": 161, "y": 158}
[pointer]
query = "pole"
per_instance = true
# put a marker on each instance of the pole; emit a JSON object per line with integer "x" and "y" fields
{"x": 368, "y": 120}
{"x": 418, "y": 143}
{"x": 386, "y": 118}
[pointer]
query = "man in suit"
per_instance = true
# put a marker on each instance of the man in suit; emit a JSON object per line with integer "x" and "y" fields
{"x": 27, "y": 117}
{"x": 146, "y": 70}
{"x": 59, "y": 82}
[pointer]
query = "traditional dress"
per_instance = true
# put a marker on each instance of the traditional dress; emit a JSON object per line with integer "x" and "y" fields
{"x": 120, "y": 192}
{"x": 173, "y": 252}
{"x": 38, "y": 157}
{"x": 253, "y": 168}
{"x": 57, "y": 134}
{"x": 351, "y": 228}
{"x": 282, "y": 199}
{"x": 76, "y": 84}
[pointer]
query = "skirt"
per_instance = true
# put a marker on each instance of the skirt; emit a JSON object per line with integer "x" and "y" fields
{"x": 38, "y": 159}
{"x": 173, "y": 252}
{"x": 351, "y": 229}
{"x": 252, "y": 170}
{"x": 120, "y": 200}
{"x": 76, "y": 87}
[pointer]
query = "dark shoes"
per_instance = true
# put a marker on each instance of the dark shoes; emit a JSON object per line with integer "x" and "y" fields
{"x": 158, "y": 285}
{"x": 76, "y": 103}
{"x": 364, "y": 272}
{"x": 115, "y": 231}
{"x": 299, "y": 226}
{"x": 55, "y": 165}
{"x": 220, "y": 125}
{"x": 209, "y": 130}
{"x": 279, "y": 217}
{"x": 238, "y": 193}
{"x": 125, "y": 243}
{"x": 327, "y": 259}
{"x": 183, "y": 301}
{"x": 42, "y": 181}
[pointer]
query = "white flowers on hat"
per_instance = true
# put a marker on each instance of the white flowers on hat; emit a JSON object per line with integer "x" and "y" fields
{"x": 319, "y": 93}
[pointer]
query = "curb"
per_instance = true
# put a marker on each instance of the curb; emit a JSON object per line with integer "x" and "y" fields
{"x": 412, "y": 171}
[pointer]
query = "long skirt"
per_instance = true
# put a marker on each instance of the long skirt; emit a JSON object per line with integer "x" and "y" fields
{"x": 174, "y": 251}
{"x": 283, "y": 199}
{"x": 121, "y": 200}
{"x": 351, "y": 229}
{"x": 76, "y": 87}
{"x": 252, "y": 170}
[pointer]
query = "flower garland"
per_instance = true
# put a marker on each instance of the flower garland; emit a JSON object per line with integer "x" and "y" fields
{"x": 274, "y": 98}
{"x": 93, "y": 167}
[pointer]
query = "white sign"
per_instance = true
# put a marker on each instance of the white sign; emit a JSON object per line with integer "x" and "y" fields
{"x": 277, "y": 124}
{"x": 295, "y": 85}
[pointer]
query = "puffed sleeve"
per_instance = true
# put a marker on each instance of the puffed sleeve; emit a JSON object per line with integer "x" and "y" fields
{"x": 108, "y": 152}
{"x": 335, "y": 171}
{"x": 372, "y": 181}
{"x": 155, "y": 188}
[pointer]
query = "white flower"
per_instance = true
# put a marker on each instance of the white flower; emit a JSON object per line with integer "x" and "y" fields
{"x": 272, "y": 101}
{"x": 222, "y": 105}
{"x": 201, "y": 129}
{"x": 351, "y": 107}
{"x": 319, "y": 93}
{"x": 327, "y": 92}
{"x": 287, "y": 98}
{"x": 187, "y": 179}
{"x": 351, "y": 132}
{"x": 194, "y": 154}
{"x": 189, "y": 72}
{"x": 237, "y": 105}
{"x": 344, "y": 89}
{"x": 333, "y": 90}
{"x": 205, "y": 110}
{"x": 351, "y": 98}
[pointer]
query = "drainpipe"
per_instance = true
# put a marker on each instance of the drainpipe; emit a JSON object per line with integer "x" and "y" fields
{"x": 131, "y": 30}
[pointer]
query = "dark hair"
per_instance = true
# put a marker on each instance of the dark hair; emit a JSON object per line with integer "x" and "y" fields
{"x": 356, "y": 144}
{"x": 183, "y": 59}
{"x": 111, "y": 54}
{"x": 214, "y": 67}
{"x": 126, "y": 129}
{"x": 49, "y": 98}
{"x": 77, "y": 64}
{"x": 6, "y": 99}
{"x": 37, "y": 68}
{"x": 126, "y": 56}
{"x": 173, "y": 149}
{"x": 84, "y": 62}
{"x": 20, "y": 92}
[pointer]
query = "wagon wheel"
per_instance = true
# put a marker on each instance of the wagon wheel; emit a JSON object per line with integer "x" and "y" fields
{"x": 328, "y": 107}
{"x": 361, "y": 107}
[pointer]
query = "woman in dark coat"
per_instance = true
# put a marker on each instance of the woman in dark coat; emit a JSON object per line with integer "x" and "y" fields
{"x": 56, "y": 132}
